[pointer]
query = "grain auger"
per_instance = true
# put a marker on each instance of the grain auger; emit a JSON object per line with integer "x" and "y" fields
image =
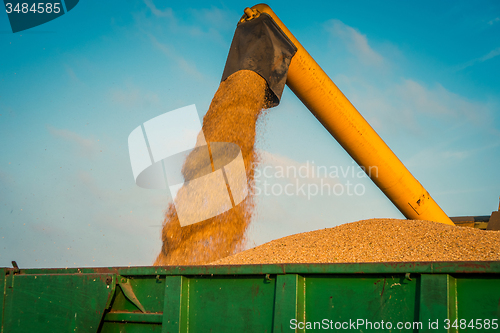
{"x": 263, "y": 44}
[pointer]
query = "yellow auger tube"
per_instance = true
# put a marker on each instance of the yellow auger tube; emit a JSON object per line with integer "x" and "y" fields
{"x": 322, "y": 97}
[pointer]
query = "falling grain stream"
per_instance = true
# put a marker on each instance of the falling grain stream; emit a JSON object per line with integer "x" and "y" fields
{"x": 232, "y": 117}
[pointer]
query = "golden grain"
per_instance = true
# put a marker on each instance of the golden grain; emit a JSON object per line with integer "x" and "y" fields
{"x": 232, "y": 117}
{"x": 376, "y": 240}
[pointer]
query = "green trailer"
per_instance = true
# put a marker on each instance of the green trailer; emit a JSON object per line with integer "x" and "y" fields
{"x": 357, "y": 297}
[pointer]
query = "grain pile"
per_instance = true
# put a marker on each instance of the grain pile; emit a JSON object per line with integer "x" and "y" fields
{"x": 232, "y": 117}
{"x": 376, "y": 240}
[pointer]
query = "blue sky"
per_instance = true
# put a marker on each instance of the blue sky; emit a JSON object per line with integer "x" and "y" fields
{"x": 424, "y": 74}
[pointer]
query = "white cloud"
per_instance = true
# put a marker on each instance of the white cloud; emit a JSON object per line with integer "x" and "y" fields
{"x": 275, "y": 167}
{"x": 490, "y": 55}
{"x": 447, "y": 152}
{"x": 133, "y": 97}
{"x": 86, "y": 147}
{"x": 167, "y": 12}
{"x": 408, "y": 106}
{"x": 495, "y": 20}
{"x": 403, "y": 104}
{"x": 439, "y": 102}
{"x": 216, "y": 18}
{"x": 71, "y": 73}
{"x": 356, "y": 42}
{"x": 208, "y": 22}
{"x": 182, "y": 63}
{"x": 425, "y": 126}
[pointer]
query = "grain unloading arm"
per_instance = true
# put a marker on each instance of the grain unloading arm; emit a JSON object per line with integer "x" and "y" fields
{"x": 262, "y": 43}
